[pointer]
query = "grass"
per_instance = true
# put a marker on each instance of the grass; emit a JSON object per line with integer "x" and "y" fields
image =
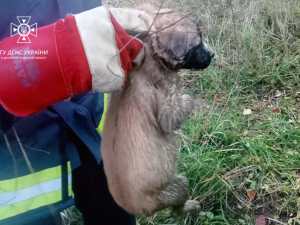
{"x": 242, "y": 166}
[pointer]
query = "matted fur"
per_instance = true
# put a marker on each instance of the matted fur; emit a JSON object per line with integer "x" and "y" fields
{"x": 139, "y": 147}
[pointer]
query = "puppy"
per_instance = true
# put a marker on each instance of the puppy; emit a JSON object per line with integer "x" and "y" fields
{"x": 139, "y": 147}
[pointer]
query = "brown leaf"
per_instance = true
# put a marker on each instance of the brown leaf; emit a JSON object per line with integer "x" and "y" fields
{"x": 217, "y": 99}
{"x": 220, "y": 65}
{"x": 250, "y": 72}
{"x": 277, "y": 111}
{"x": 188, "y": 81}
{"x": 260, "y": 220}
{"x": 251, "y": 194}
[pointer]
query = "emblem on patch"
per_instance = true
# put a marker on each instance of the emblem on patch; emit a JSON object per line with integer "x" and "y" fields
{"x": 23, "y": 29}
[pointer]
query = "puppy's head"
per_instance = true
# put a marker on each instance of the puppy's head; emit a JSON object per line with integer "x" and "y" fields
{"x": 178, "y": 40}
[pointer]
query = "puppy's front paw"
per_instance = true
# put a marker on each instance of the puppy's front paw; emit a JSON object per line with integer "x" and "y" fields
{"x": 189, "y": 206}
{"x": 187, "y": 104}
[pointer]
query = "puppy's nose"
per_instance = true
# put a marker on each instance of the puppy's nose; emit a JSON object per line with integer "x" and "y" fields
{"x": 212, "y": 54}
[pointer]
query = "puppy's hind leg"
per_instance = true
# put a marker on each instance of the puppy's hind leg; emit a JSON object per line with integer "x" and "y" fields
{"x": 176, "y": 195}
{"x": 189, "y": 206}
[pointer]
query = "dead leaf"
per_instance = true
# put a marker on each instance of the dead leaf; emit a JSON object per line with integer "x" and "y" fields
{"x": 220, "y": 65}
{"x": 277, "y": 111}
{"x": 188, "y": 81}
{"x": 250, "y": 72}
{"x": 260, "y": 220}
{"x": 247, "y": 112}
{"x": 254, "y": 110}
{"x": 217, "y": 99}
{"x": 251, "y": 195}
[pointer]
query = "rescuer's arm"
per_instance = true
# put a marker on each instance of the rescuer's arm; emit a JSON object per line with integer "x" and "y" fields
{"x": 82, "y": 52}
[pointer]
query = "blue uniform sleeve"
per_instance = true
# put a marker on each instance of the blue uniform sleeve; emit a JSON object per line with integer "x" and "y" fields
{"x": 7, "y": 120}
{"x": 44, "y": 12}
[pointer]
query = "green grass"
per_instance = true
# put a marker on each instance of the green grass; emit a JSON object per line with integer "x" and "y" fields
{"x": 226, "y": 154}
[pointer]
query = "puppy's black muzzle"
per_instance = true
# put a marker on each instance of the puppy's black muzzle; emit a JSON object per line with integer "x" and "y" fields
{"x": 198, "y": 58}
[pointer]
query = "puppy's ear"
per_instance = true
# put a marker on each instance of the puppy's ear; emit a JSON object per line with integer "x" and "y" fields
{"x": 146, "y": 7}
{"x": 178, "y": 45}
{"x": 151, "y": 9}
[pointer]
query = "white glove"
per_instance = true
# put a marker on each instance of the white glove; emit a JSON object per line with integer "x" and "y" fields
{"x": 132, "y": 20}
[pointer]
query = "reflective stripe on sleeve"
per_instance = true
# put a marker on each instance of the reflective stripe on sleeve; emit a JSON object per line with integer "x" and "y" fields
{"x": 101, "y": 124}
{"x": 37, "y": 190}
{"x": 31, "y": 179}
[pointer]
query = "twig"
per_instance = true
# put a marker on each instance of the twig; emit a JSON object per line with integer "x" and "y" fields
{"x": 107, "y": 66}
{"x": 156, "y": 15}
{"x": 133, "y": 39}
{"x": 24, "y": 153}
{"x": 148, "y": 35}
{"x": 51, "y": 207}
{"x": 35, "y": 149}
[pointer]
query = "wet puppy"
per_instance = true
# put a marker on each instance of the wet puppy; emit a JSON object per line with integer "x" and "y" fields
{"x": 139, "y": 147}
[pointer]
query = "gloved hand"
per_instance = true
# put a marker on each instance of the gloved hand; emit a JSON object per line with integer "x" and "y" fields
{"x": 90, "y": 50}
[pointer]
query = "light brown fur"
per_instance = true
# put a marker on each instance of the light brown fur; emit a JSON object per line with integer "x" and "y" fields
{"x": 139, "y": 147}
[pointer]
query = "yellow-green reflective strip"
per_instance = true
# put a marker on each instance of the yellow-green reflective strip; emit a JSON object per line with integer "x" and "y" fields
{"x": 100, "y": 127}
{"x": 31, "y": 179}
{"x": 33, "y": 203}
